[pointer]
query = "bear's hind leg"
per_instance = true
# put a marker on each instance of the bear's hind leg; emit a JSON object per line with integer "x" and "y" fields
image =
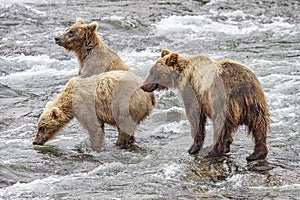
{"x": 124, "y": 139}
{"x": 260, "y": 146}
{"x": 199, "y": 136}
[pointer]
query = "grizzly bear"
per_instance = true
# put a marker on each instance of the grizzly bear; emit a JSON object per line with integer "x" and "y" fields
{"x": 93, "y": 55}
{"x": 112, "y": 97}
{"x": 227, "y": 92}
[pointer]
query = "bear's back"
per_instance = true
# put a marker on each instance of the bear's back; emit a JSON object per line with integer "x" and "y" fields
{"x": 234, "y": 73}
{"x": 118, "y": 94}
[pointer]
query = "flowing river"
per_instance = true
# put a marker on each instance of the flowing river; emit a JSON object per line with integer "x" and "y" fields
{"x": 264, "y": 35}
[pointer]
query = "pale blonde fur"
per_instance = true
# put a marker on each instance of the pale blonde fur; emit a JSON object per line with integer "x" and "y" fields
{"x": 200, "y": 70}
{"x": 93, "y": 55}
{"x": 112, "y": 97}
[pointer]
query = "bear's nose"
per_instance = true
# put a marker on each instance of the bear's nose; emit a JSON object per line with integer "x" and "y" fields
{"x": 34, "y": 143}
{"x": 56, "y": 40}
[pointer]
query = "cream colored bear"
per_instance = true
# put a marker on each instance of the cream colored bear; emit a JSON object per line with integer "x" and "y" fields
{"x": 93, "y": 55}
{"x": 112, "y": 97}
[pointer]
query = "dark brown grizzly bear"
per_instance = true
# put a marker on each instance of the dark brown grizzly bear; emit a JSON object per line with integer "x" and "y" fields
{"x": 92, "y": 53}
{"x": 227, "y": 92}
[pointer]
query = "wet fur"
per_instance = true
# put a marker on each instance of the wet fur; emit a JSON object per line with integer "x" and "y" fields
{"x": 113, "y": 98}
{"x": 226, "y": 91}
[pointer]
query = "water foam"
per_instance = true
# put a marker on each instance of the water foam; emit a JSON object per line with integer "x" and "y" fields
{"x": 193, "y": 25}
{"x": 51, "y": 185}
{"x": 204, "y": 27}
{"x": 140, "y": 62}
{"x": 39, "y": 186}
{"x": 171, "y": 170}
{"x": 37, "y": 66}
{"x": 20, "y": 5}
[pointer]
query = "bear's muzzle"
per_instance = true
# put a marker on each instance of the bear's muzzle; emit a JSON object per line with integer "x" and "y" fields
{"x": 149, "y": 87}
{"x": 39, "y": 141}
{"x": 57, "y": 40}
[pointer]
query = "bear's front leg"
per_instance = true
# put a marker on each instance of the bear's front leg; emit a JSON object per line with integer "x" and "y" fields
{"x": 96, "y": 134}
{"x": 199, "y": 136}
{"x": 96, "y": 140}
{"x": 124, "y": 139}
{"x": 95, "y": 131}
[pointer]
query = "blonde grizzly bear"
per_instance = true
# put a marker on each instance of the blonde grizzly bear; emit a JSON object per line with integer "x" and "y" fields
{"x": 112, "y": 97}
{"x": 93, "y": 55}
{"x": 227, "y": 92}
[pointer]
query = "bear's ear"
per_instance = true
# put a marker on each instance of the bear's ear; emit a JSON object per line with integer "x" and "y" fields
{"x": 164, "y": 53}
{"x": 172, "y": 60}
{"x": 93, "y": 26}
{"x": 79, "y": 21}
{"x": 55, "y": 113}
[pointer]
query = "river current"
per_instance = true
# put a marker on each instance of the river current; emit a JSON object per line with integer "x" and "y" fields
{"x": 264, "y": 35}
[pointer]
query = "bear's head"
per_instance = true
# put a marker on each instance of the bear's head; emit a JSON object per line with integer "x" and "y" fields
{"x": 50, "y": 122}
{"x": 166, "y": 72}
{"x": 79, "y": 35}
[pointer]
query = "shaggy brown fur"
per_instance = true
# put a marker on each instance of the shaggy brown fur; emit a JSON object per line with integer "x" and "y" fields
{"x": 93, "y": 55}
{"x": 112, "y": 97}
{"x": 227, "y": 92}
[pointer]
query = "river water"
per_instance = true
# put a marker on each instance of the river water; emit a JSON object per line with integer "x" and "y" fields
{"x": 264, "y": 35}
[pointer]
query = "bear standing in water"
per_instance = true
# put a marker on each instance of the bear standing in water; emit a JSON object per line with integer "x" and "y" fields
{"x": 112, "y": 97}
{"x": 227, "y": 92}
{"x": 93, "y": 55}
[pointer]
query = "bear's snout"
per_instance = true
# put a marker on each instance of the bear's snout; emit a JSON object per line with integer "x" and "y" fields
{"x": 57, "y": 40}
{"x": 149, "y": 87}
{"x": 35, "y": 142}
{"x": 38, "y": 141}
{"x": 143, "y": 87}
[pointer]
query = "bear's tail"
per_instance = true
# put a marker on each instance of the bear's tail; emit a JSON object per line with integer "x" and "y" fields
{"x": 260, "y": 120}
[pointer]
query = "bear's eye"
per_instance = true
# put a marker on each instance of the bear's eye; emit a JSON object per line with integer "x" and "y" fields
{"x": 71, "y": 33}
{"x": 41, "y": 129}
